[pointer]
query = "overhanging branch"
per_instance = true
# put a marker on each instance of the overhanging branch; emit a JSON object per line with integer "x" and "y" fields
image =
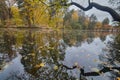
{"x": 113, "y": 13}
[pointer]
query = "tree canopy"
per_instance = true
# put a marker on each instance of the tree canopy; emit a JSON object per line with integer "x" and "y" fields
{"x": 45, "y": 12}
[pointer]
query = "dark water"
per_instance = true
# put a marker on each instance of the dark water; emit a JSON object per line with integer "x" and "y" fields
{"x": 52, "y": 54}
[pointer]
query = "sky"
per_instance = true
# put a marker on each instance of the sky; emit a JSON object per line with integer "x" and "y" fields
{"x": 100, "y": 14}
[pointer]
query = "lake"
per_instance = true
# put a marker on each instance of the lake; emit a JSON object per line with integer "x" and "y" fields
{"x": 37, "y": 54}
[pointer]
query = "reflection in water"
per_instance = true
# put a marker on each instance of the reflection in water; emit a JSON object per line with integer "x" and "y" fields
{"x": 7, "y": 48}
{"x": 58, "y": 55}
{"x": 113, "y": 56}
{"x": 43, "y": 60}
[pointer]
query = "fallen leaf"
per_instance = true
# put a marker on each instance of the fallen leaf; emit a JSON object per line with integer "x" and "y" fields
{"x": 95, "y": 69}
{"x": 118, "y": 78}
{"x": 76, "y": 64}
{"x": 32, "y": 54}
{"x": 118, "y": 50}
{"x": 25, "y": 57}
{"x": 116, "y": 70}
{"x": 55, "y": 67}
{"x": 95, "y": 60}
{"x": 40, "y": 65}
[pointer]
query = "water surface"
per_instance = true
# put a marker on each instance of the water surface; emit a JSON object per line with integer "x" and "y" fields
{"x": 43, "y": 54}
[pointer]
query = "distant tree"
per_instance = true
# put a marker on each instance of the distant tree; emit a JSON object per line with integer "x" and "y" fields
{"x": 83, "y": 19}
{"x": 3, "y": 12}
{"x": 67, "y": 18}
{"x": 75, "y": 16}
{"x": 105, "y": 21}
{"x": 92, "y": 22}
{"x": 98, "y": 25}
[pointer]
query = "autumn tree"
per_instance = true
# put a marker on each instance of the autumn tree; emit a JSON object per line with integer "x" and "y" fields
{"x": 16, "y": 17}
{"x": 71, "y": 20}
{"x": 48, "y": 12}
{"x": 41, "y": 12}
{"x": 98, "y": 25}
{"x": 3, "y": 12}
{"x": 6, "y": 12}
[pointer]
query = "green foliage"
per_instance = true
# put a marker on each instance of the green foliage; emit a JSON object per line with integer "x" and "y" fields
{"x": 93, "y": 21}
{"x": 3, "y": 12}
{"x": 105, "y": 21}
{"x": 78, "y": 20}
{"x": 76, "y": 26}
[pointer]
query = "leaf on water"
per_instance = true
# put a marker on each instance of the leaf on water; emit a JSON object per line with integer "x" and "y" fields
{"x": 40, "y": 65}
{"x": 118, "y": 50}
{"x": 95, "y": 60}
{"x": 118, "y": 78}
{"x": 32, "y": 54}
{"x": 31, "y": 43}
{"x": 25, "y": 57}
{"x": 115, "y": 70}
{"x": 76, "y": 64}
{"x": 40, "y": 47}
{"x": 95, "y": 69}
{"x": 51, "y": 48}
{"x": 55, "y": 67}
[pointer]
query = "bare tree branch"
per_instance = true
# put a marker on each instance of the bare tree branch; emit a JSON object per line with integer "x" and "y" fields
{"x": 112, "y": 12}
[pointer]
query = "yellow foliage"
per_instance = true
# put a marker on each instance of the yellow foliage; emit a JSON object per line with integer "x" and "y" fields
{"x": 16, "y": 16}
{"x": 35, "y": 12}
{"x": 32, "y": 54}
{"x": 95, "y": 69}
{"x": 40, "y": 65}
{"x": 118, "y": 78}
{"x": 25, "y": 57}
{"x": 75, "y": 15}
{"x": 98, "y": 25}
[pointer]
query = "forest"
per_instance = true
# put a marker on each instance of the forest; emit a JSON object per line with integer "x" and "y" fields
{"x": 54, "y": 14}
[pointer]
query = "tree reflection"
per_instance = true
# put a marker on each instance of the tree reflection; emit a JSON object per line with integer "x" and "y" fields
{"x": 7, "y": 47}
{"x": 42, "y": 56}
{"x": 7, "y": 43}
{"x": 76, "y": 38}
{"x": 43, "y": 53}
{"x": 112, "y": 58}
{"x": 115, "y": 49}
